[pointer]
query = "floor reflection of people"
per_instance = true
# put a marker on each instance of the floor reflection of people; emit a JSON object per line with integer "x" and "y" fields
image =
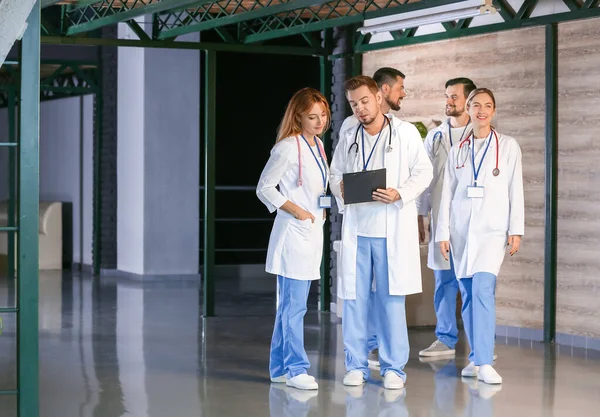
{"x": 373, "y": 400}
{"x": 289, "y": 402}
{"x": 445, "y": 382}
{"x": 480, "y": 402}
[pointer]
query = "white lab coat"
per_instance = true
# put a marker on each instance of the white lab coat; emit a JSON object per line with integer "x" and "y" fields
{"x": 430, "y": 199}
{"x": 295, "y": 247}
{"x": 410, "y": 172}
{"x": 478, "y": 228}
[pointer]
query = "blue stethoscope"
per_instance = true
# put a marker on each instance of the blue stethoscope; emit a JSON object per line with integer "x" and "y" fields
{"x": 438, "y": 137}
{"x": 361, "y": 127}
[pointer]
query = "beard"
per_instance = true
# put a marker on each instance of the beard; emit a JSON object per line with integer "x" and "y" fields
{"x": 453, "y": 112}
{"x": 394, "y": 105}
{"x": 369, "y": 119}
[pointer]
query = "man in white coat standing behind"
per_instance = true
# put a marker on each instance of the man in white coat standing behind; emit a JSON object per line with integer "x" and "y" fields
{"x": 379, "y": 239}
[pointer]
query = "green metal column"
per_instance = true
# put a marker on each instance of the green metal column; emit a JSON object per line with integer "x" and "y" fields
{"x": 12, "y": 170}
{"x": 551, "y": 182}
{"x": 326, "y": 80}
{"x": 96, "y": 234}
{"x": 210, "y": 105}
{"x": 28, "y": 212}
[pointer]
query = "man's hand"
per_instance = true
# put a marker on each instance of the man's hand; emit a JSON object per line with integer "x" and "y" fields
{"x": 514, "y": 242}
{"x": 388, "y": 196}
{"x": 445, "y": 249}
{"x": 421, "y": 229}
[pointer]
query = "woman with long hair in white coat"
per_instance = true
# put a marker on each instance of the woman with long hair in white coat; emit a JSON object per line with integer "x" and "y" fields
{"x": 294, "y": 183}
{"x": 481, "y": 213}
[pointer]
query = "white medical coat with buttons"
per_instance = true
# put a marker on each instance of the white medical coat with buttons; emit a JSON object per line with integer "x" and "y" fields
{"x": 409, "y": 171}
{"x": 478, "y": 228}
{"x": 437, "y": 145}
{"x": 295, "y": 247}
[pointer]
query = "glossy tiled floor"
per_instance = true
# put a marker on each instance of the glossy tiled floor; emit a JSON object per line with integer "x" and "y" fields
{"x": 117, "y": 348}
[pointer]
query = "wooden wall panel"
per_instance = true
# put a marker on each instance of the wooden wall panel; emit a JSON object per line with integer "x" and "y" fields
{"x": 512, "y": 65}
{"x": 578, "y": 303}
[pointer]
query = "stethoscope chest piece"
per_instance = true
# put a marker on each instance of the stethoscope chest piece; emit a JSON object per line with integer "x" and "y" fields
{"x": 496, "y": 172}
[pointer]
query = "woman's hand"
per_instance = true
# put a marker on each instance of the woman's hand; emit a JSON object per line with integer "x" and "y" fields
{"x": 514, "y": 242}
{"x": 302, "y": 214}
{"x": 445, "y": 249}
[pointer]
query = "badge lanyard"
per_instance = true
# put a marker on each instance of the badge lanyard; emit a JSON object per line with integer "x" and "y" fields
{"x": 365, "y": 164}
{"x": 478, "y": 169}
{"x": 323, "y": 169}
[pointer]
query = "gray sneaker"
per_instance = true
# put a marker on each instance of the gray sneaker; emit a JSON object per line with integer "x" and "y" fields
{"x": 373, "y": 358}
{"x": 437, "y": 348}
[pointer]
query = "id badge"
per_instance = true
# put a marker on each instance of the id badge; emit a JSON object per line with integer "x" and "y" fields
{"x": 474, "y": 191}
{"x": 325, "y": 201}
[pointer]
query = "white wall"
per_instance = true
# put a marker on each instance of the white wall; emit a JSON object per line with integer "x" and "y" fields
{"x": 130, "y": 161}
{"x": 60, "y": 136}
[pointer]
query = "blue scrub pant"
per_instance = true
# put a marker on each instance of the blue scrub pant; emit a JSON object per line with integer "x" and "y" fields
{"x": 479, "y": 315}
{"x": 371, "y": 326}
{"x": 444, "y": 302}
{"x": 287, "y": 345}
{"x": 387, "y": 312}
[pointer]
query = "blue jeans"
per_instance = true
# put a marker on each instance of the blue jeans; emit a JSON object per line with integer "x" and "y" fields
{"x": 479, "y": 316}
{"x": 288, "y": 356}
{"x": 387, "y": 311}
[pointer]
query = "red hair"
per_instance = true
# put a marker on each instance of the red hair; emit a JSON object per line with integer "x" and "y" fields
{"x": 300, "y": 104}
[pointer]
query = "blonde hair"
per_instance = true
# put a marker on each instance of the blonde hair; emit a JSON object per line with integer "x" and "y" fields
{"x": 481, "y": 91}
{"x": 300, "y": 104}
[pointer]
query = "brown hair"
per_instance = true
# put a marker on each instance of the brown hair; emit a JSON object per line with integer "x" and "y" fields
{"x": 481, "y": 91}
{"x": 300, "y": 104}
{"x": 360, "y": 80}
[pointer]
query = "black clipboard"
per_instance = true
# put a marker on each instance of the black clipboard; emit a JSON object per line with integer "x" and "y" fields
{"x": 359, "y": 186}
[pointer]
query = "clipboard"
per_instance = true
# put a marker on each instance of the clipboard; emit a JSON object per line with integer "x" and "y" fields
{"x": 359, "y": 186}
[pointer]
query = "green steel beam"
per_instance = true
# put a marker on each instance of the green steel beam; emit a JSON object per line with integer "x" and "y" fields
{"x": 96, "y": 187}
{"x": 257, "y": 10}
{"x": 326, "y": 81}
{"x": 506, "y": 10}
{"x": 210, "y": 128}
{"x": 357, "y": 12}
{"x": 551, "y": 233}
{"x": 28, "y": 215}
{"x": 12, "y": 171}
{"x": 526, "y": 9}
{"x": 47, "y": 3}
{"x": 137, "y": 29}
{"x": 206, "y": 46}
{"x": 590, "y": 4}
{"x": 479, "y": 30}
{"x": 573, "y": 4}
{"x": 113, "y": 15}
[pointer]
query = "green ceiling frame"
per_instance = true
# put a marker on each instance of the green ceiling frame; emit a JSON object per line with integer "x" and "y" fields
{"x": 518, "y": 20}
{"x": 252, "y": 26}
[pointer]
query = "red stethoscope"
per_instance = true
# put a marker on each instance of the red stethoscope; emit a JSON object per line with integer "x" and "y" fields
{"x": 496, "y": 171}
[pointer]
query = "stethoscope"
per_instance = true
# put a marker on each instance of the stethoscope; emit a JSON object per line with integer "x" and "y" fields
{"x": 438, "y": 137}
{"x": 321, "y": 154}
{"x": 358, "y": 129}
{"x": 467, "y": 141}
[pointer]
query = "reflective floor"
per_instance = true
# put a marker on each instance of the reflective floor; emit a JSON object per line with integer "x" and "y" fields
{"x": 114, "y": 347}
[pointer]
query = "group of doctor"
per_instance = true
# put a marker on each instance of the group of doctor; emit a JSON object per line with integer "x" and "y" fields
{"x": 466, "y": 177}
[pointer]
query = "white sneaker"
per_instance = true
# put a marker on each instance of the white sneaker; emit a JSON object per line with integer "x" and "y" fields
{"x": 279, "y": 379}
{"x": 488, "y": 374}
{"x": 437, "y": 348}
{"x": 470, "y": 371}
{"x": 302, "y": 381}
{"x": 354, "y": 378}
{"x": 392, "y": 380}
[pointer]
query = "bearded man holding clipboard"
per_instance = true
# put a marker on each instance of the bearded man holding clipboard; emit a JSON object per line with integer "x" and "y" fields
{"x": 383, "y": 167}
